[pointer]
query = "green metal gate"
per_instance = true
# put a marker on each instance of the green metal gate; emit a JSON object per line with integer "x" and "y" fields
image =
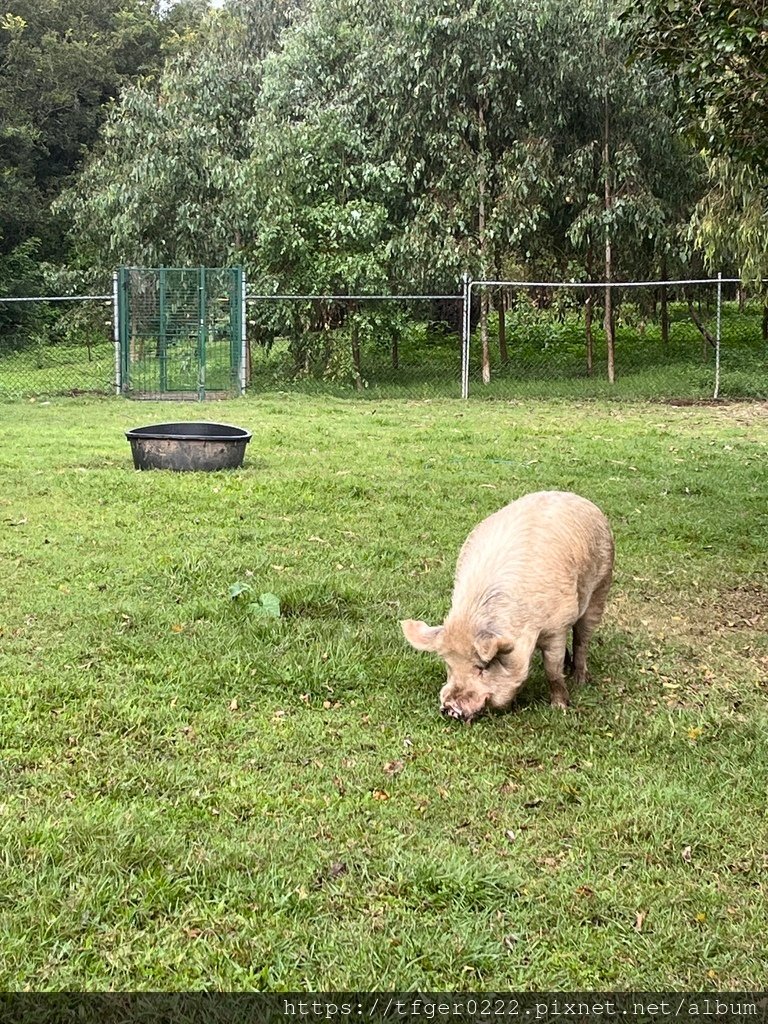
{"x": 180, "y": 331}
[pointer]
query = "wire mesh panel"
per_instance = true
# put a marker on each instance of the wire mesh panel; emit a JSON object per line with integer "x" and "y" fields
{"x": 689, "y": 340}
{"x": 367, "y": 345}
{"x": 180, "y": 331}
{"x": 56, "y": 345}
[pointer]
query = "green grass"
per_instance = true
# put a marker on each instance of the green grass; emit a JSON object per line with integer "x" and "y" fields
{"x": 197, "y": 797}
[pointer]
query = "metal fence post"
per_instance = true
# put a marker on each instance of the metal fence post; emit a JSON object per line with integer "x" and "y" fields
{"x": 465, "y": 332}
{"x": 717, "y": 334}
{"x": 201, "y": 337}
{"x": 116, "y": 334}
{"x": 243, "y": 339}
{"x": 163, "y": 338}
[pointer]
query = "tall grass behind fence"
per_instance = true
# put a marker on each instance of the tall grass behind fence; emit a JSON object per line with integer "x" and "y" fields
{"x": 541, "y": 340}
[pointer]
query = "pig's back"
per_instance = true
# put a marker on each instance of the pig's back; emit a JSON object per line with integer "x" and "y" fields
{"x": 540, "y": 556}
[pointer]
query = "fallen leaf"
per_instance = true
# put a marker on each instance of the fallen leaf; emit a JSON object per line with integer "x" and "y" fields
{"x": 177, "y": 628}
{"x": 585, "y": 890}
{"x": 393, "y": 767}
{"x": 510, "y": 941}
{"x": 510, "y": 835}
{"x": 380, "y": 794}
{"x": 686, "y": 854}
{"x": 233, "y": 705}
{"x": 640, "y": 917}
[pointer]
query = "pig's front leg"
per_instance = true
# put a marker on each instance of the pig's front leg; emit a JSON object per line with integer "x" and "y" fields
{"x": 554, "y": 651}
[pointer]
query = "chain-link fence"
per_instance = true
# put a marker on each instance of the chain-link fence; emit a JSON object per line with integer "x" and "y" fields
{"x": 667, "y": 340}
{"x": 56, "y": 345}
{"x": 686, "y": 340}
{"x": 376, "y": 345}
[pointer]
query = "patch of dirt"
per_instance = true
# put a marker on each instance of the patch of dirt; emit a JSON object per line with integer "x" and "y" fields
{"x": 742, "y": 607}
{"x": 698, "y": 642}
{"x": 685, "y": 402}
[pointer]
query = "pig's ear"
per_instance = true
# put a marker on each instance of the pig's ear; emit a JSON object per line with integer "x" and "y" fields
{"x": 421, "y": 636}
{"x": 489, "y": 644}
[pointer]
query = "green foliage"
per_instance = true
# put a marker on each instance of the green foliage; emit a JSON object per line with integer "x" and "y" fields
{"x": 20, "y": 274}
{"x": 61, "y": 61}
{"x": 718, "y": 54}
{"x": 357, "y": 147}
{"x": 730, "y": 222}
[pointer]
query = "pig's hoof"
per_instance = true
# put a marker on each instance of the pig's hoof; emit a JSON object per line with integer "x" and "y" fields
{"x": 581, "y": 677}
{"x": 560, "y": 703}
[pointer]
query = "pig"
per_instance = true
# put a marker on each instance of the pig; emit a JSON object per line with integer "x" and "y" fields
{"x": 526, "y": 575}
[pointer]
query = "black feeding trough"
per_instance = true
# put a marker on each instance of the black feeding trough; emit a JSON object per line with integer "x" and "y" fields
{"x": 188, "y": 446}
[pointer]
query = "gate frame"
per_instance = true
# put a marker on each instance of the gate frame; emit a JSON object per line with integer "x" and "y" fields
{"x": 237, "y": 328}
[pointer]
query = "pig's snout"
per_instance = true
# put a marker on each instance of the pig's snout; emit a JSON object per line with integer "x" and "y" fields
{"x": 454, "y": 711}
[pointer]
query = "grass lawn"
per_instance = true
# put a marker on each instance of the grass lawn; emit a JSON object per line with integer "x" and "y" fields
{"x": 196, "y": 796}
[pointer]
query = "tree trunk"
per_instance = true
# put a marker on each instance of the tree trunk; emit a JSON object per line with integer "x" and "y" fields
{"x": 664, "y": 306}
{"x": 588, "y": 331}
{"x": 485, "y": 306}
{"x": 765, "y": 322}
{"x": 610, "y": 335}
{"x": 355, "y": 341}
{"x": 708, "y": 338}
{"x": 395, "y": 352}
{"x": 502, "y": 310}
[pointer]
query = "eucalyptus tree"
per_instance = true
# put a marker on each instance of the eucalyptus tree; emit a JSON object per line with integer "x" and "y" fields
{"x": 717, "y": 56}
{"x": 432, "y": 99}
{"x": 627, "y": 182}
{"x": 166, "y": 181}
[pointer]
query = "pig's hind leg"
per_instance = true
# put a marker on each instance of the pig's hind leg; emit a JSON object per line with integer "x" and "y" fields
{"x": 567, "y": 661}
{"x": 585, "y": 627}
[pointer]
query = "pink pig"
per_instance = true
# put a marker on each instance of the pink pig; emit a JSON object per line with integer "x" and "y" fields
{"x": 525, "y": 576}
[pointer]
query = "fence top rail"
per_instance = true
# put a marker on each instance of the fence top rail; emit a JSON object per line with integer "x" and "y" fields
{"x": 56, "y": 298}
{"x": 600, "y": 284}
{"x": 351, "y": 298}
